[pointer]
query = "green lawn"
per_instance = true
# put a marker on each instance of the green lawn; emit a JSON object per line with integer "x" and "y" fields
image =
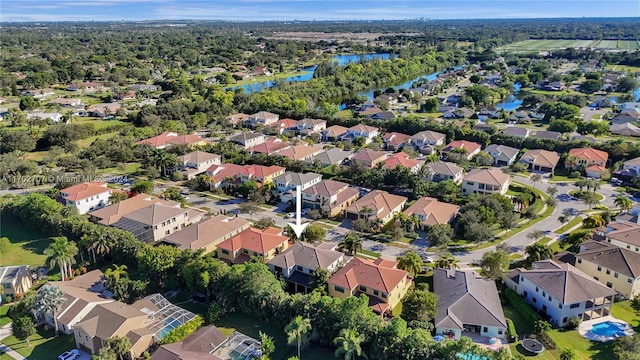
{"x": 522, "y": 327}
{"x": 88, "y": 141}
{"x": 43, "y": 345}
{"x": 259, "y": 79}
{"x": 575, "y": 221}
{"x": 4, "y": 319}
{"x": 26, "y": 244}
{"x": 580, "y": 194}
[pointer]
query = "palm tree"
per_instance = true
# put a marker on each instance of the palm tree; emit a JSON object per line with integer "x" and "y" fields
{"x": 48, "y": 300}
{"x": 447, "y": 261}
{"x": 62, "y": 253}
{"x": 538, "y": 251}
{"x": 351, "y": 243}
{"x": 116, "y": 273}
{"x": 593, "y": 222}
{"x": 623, "y": 202}
{"x": 535, "y": 178}
{"x": 349, "y": 343}
{"x": 536, "y": 235}
{"x": 411, "y": 263}
{"x": 297, "y": 331}
{"x": 552, "y": 190}
{"x": 102, "y": 243}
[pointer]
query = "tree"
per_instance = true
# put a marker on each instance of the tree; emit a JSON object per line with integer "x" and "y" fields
{"x": 626, "y": 84}
{"x": 627, "y": 347}
{"x": 593, "y": 221}
{"x": 118, "y": 196}
{"x": 351, "y": 243}
{"x": 537, "y": 252}
{"x": 249, "y": 207}
{"x": 314, "y": 233}
{"x": 48, "y": 300}
{"x": 590, "y": 199}
{"x": 264, "y": 223}
{"x": 28, "y": 103}
{"x": 447, "y": 261}
{"x": 552, "y": 191}
{"x": 105, "y": 353}
{"x": 590, "y": 86}
{"x": 62, "y": 253}
{"x": 267, "y": 345}
{"x": 494, "y": 263}
{"x": 623, "y": 202}
{"x": 119, "y": 345}
{"x": 563, "y": 126}
{"x": 430, "y": 105}
{"x": 535, "y": 235}
{"x": 23, "y": 328}
{"x": 535, "y": 178}
{"x": 411, "y": 263}
{"x": 4, "y": 244}
{"x": 567, "y": 354}
{"x": 419, "y": 307}
{"x": 297, "y": 332}
{"x": 114, "y": 274}
{"x": 319, "y": 278}
{"x": 142, "y": 187}
{"x": 508, "y": 220}
{"x": 635, "y": 304}
{"x": 478, "y": 232}
{"x": 349, "y": 344}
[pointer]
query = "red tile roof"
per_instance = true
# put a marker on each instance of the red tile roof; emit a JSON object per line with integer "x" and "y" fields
{"x": 400, "y": 159}
{"x": 260, "y": 171}
{"x": 395, "y": 138}
{"x": 252, "y": 239}
{"x": 378, "y": 276}
{"x": 462, "y": 144}
{"x": 589, "y": 154}
{"x": 169, "y": 137}
{"x": 84, "y": 190}
{"x": 220, "y": 172}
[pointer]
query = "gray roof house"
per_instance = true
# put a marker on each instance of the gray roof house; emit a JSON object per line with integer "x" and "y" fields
{"x": 286, "y": 183}
{"x": 503, "y": 155}
{"x": 467, "y": 303}
{"x": 517, "y": 131}
{"x": 298, "y": 263}
{"x": 333, "y": 156}
{"x": 445, "y": 171}
{"x": 551, "y": 135}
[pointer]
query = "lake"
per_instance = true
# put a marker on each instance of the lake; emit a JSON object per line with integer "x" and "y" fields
{"x": 511, "y": 102}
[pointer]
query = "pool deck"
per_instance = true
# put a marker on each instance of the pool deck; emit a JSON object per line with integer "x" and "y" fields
{"x": 585, "y": 327}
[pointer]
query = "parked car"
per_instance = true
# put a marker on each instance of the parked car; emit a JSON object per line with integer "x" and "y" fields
{"x": 291, "y": 215}
{"x": 69, "y": 355}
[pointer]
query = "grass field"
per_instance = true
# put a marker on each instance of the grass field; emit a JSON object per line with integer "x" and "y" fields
{"x": 623, "y": 68}
{"x": 555, "y": 44}
{"x": 26, "y": 244}
{"x": 43, "y": 345}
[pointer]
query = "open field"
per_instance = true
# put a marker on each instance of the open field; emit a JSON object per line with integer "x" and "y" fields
{"x": 26, "y": 244}
{"x": 44, "y": 346}
{"x": 546, "y": 45}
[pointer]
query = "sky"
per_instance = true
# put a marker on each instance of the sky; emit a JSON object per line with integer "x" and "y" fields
{"x": 104, "y": 10}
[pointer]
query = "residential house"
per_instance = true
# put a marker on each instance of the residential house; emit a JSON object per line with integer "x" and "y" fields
{"x": 248, "y": 139}
{"x": 143, "y": 323}
{"x": 550, "y": 85}
{"x": 264, "y": 244}
{"x": 270, "y": 146}
{"x": 207, "y": 234}
{"x": 145, "y": 87}
{"x": 283, "y": 125}
{"x": 300, "y": 152}
{"x": 124, "y": 95}
{"x": 152, "y": 223}
{"x": 260, "y": 173}
{"x": 626, "y": 237}
{"x": 431, "y": 211}
{"x": 15, "y": 281}
{"x": 403, "y": 160}
{"x": 585, "y": 157}
{"x": 458, "y": 113}
{"x": 484, "y": 127}
{"x": 467, "y": 147}
{"x": 207, "y": 343}
{"x": 428, "y": 138}
{"x": 237, "y": 119}
{"x": 520, "y": 117}
{"x": 368, "y": 158}
{"x": 561, "y": 292}
{"x": 220, "y": 174}
{"x": 441, "y": 171}
{"x": 104, "y": 110}
{"x": 108, "y": 215}
{"x": 369, "y": 133}
{"x": 333, "y": 133}
{"x": 376, "y": 206}
{"x": 64, "y": 102}
{"x": 53, "y": 117}
{"x": 540, "y": 160}
{"x": 595, "y": 171}
{"x": 632, "y": 166}
{"x": 87, "y": 196}
{"x": 467, "y": 304}
{"x": 263, "y": 118}
{"x": 81, "y": 295}
{"x": 330, "y": 197}
{"x": 197, "y": 162}
{"x": 301, "y": 260}
{"x": 615, "y": 267}
{"x": 486, "y": 181}
{"x": 370, "y": 112}
{"x": 395, "y": 141}
{"x": 549, "y": 135}
{"x": 626, "y": 129}
{"x": 517, "y": 131}
{"x": 310, "y": 126}
{"x": 287, "y": 183}
{"x": 490, "y": 112}
{"x": 384, "y": 115}
{"x": 333, "y": 156}
{"x": 39, "y": 93}
{"x": 380, "y": 280}
{"x": 168, "y": 138}
{"x": 503, "y": 155}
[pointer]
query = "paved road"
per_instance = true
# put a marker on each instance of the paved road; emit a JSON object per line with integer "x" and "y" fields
{"x": 519, "y": 241}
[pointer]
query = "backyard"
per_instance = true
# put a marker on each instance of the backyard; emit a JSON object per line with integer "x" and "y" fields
{"x": 26, "y": 244}
{"x": 43, "y": 345}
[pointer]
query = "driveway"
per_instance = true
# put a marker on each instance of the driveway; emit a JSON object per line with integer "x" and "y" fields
{"x": 588, "y": 113}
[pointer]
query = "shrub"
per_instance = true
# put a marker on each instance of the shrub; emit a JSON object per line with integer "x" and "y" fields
{"x": 574, "y": 322}
{"x": 412, "y": 236}
{"x": 182, "y": 331}
{"x": 214, "y": 312}
{"x": 521, "y": 306}
{"x": 511, "y": 331}
{"x": 8, "y": 299}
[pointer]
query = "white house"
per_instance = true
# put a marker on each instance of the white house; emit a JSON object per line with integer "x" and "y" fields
{"x": 309, "y": 126}
{"x": 197, "y": 162}
{"x": 286, "y": 183}
{"x": 561, "y": 291}
{"x": 365, "y": 131}
{"x": 633, "y": 166}
{"x": 486, "y": 181}
{"x": 87, "y": 196}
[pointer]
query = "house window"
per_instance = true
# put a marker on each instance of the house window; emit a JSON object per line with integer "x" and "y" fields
{"x": 499, "y": 331}
{"x": 485, "y": 329}
{"x": 560, "y": 306}
{"x": 167, "y": 232}
{"x": 376, "y": 292}
{"x": 564, "y": 320}
{"x": 255, "y": 253}
{"x": 537, "y": 289}
{"x": 579, "y": 261}
{"x": 299, "y": 268}
{"x": 599, "y": 268}
{"x": 544, "y": 294}
{"x": 363, "y": 288}
{"x": 608, "y": 272}
{"x": 596, "y": 278}
{"x": 573, "y": 306}
{"x": 339, "y": 289}
{"x": 86, "y": 338}
{"x": 534, "y": 300}
{"x": 226, "y": 252}
{"x": 525, "y": 293}
{"x": 245, "y": 251}
{"x": 549, "y": 297}
{"x": 628, "y": 246}
{"x": 615, "y": 275}
{"x": 630, "y": 280}
{"x": 609, "y": 284}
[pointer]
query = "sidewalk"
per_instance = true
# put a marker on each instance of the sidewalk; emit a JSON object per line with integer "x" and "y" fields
{"x": 5, "y": 331}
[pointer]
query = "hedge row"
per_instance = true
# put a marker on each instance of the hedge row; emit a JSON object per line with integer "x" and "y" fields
{"x": 511, "y": 331}
{"x": 520, "y": 305}
{"x": 182, "y": 331}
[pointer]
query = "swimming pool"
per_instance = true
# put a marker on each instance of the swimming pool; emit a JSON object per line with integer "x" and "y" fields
{"x": 609, "y": 328}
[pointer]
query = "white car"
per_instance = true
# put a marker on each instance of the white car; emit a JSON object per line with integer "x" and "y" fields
{"x": 291, "y": 215}
{"x": 69, "y": 355}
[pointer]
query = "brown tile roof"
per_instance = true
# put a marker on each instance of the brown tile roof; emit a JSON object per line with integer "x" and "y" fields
{"x": 491, "y": 176}
{"x": 260, "y": 170}
{"x": 380, "y": 202}
{"x": 335, "y": 130}
{"x": 223, "y": 171}
{"x": 429, "y": 135}
{"x": 112, "y": 213}
{"x": 169, "y": 137}
{"x": 462, "y": 144}
{"x": 434, "y": 211}
{"x": 589, "y": 154}
{"x": 299, "y": 152}
{"x": 445, "y": 168}
{"x": 195, "y": 347}
{"x": 199, "y": 235}
{"x": 252, "y": 239}
{"x": 395, "y": 138}
{"x": 271, "y": 146}
{"x": 627, "y": 235}
{"x": 542, "y": 158}
{"x": 368, "y": 155}
{"x": 400, "y": 159}
{"x": 156, "y": 213}
{"x": 306, "y": 255}
{"x": 326, "y": 188}
{"x": 104, "y": 320}
{"x": 366, "y": 273}
{"x": 363, "y": 128}
{"x": 623, "y": 261}
{"x": 197, "y": 157}
{"x": 285, "y": 123}
{"x": 84, "y": 190}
